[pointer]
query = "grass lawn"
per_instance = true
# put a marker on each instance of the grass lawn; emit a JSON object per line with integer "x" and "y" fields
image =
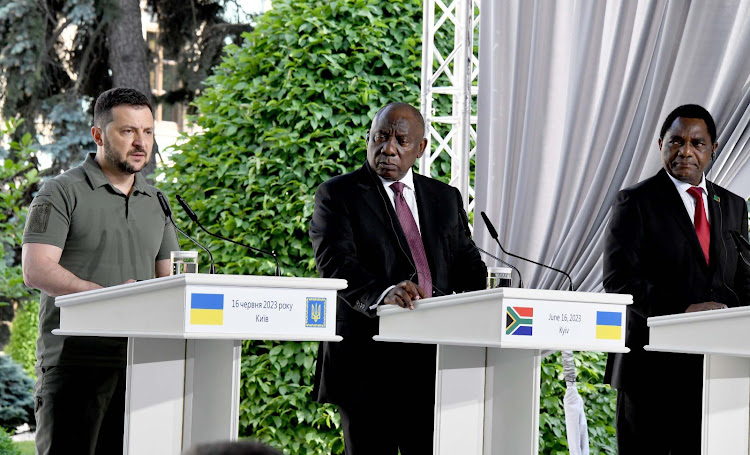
{"x": 27, "y": 447}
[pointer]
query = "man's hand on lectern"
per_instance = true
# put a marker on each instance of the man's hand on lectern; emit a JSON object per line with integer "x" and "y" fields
{"x": 404, "y": 295}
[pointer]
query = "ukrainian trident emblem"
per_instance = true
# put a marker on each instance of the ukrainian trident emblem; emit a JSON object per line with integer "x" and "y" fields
{"x": 316, "y": 312}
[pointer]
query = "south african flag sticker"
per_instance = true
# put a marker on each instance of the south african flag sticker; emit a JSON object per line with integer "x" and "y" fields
{"x": 519, "y": 320}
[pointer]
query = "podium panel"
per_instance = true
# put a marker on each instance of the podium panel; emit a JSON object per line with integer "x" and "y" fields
{"x": 184, "y": 345}
{"x": 723, "y": 337}
{"x": 489, "y": 357}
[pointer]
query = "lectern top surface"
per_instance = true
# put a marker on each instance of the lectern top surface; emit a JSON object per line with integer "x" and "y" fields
{"x": 201, "y": 279}
{"x": 679, "y": 318}
{"x": 516, "y": 293}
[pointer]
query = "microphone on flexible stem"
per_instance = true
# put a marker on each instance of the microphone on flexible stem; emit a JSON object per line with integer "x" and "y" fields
{"x": 168, "y": 213}
{"x": 191, "y": 214}
{"x": 741, "y": 243}
{"x": 493, "y": 234}
{"x": 520, "y": 280}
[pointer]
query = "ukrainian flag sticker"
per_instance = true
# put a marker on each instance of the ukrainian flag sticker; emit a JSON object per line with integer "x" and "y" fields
{"x": 207, "y": 309}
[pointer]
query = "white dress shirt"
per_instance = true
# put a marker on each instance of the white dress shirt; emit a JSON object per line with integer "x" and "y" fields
{"x": 687, "y": 199}
{"x": 409, "y": 194}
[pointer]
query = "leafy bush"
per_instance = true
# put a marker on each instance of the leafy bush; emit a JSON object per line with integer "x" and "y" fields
{"x": 18, "y": 181}
{"x": 7, "y": 446}
{"x": 16, "y": 401}
{"x": 22, "y": 346}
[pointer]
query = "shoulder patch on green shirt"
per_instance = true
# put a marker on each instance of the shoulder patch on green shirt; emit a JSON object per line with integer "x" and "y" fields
{"x": 38, "y": 218}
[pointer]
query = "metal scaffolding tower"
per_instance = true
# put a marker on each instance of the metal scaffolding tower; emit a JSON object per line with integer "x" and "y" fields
{"x": 449, "y": 90}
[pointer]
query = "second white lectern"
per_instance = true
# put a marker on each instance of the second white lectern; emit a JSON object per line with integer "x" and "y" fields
{"x": 489, "y": 358}
{"x": 184, "y": 343}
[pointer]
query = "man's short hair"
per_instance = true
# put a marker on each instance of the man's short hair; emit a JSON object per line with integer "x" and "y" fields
{"x": 690, "y": 111}
{"x": 399, "y": 105}
{"x": 117, "y": 97}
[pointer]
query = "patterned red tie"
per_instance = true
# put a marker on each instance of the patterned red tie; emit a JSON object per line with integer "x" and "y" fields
{"x": 700, "y": 220}
{"x": 411, "y": 231}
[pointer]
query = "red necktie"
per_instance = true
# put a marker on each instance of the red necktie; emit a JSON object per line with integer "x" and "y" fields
{"x": 700, "y": 220}
{"x": 411, "y": 231}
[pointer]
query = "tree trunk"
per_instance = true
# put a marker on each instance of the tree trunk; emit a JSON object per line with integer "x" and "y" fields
{"x": 128, "y": 57}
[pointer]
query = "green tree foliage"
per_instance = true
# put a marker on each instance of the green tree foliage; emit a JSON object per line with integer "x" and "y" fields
{"x": 18, "y": 179}
{"x": 16, "y": 401}
{"x": 55, "y": 59}
{"x": 22, "y": 346}
{"x": 7, "y": 446}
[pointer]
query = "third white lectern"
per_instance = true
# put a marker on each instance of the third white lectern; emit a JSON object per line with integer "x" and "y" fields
{"x": 724, "y": 338}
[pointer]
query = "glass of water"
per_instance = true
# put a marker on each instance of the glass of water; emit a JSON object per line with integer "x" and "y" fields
{"x": 498, "y": 277}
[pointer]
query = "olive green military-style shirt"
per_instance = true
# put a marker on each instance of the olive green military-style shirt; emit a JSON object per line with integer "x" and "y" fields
{"x": 107, "y": 238}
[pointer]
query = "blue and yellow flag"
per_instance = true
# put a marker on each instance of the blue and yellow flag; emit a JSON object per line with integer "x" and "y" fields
{"x": 207, "y": 309}
{"x": 608, "y": 325}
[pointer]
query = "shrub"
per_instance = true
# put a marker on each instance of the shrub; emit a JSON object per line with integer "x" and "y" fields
{"x": 23, "y": 335}
{"x": 16, "y": 401}
{"x": 7, "y": 446}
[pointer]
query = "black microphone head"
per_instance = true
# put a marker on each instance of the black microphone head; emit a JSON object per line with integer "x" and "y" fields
{"x": 187, "y": 208}
{"x": 163, "y": 202}
{"x": 490, "y": 227}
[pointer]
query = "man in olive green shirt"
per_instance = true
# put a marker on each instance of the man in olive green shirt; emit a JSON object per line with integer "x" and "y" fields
{"x": 99, "y": 224}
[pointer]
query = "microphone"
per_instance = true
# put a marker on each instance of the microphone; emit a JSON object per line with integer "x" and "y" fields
{"x": 168, "y": 213}
{"x": 493, "y": 234}
{"x": 741, "y": 243}
{"x": 191, "y": 214}
{"x": 520, "y": 280}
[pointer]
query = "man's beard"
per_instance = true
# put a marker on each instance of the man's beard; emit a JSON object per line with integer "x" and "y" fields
{"x": 122, "y": 165}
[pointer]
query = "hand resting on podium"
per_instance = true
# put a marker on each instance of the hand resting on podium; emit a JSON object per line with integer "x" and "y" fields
{"x": 404, "y": 294}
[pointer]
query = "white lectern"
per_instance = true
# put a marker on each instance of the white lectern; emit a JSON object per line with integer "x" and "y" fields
{"x": 489, "y": 358}
{"x": 724, "y": 337}
{"x": 184, "y": 343}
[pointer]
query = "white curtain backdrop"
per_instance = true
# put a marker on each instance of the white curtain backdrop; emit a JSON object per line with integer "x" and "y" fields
{"x": 571, "y": 99}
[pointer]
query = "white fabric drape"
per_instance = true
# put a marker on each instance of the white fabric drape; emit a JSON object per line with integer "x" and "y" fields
{"x": 572, "y": 95}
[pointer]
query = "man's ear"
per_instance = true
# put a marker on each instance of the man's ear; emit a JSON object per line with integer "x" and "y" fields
{"x": 367, "y": 136}
{"x": 96, "y": 133}
{"x": 422, "y": 147}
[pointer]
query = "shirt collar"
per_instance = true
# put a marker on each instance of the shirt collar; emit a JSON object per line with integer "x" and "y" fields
{"x": 682, "y": 187}
{"x": 97, "y": 178}
{"x": 407, "y": 180}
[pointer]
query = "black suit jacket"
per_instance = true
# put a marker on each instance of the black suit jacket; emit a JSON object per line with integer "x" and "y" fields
{"x": 653, "y": 253}
{"x": 356, "y": 236}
